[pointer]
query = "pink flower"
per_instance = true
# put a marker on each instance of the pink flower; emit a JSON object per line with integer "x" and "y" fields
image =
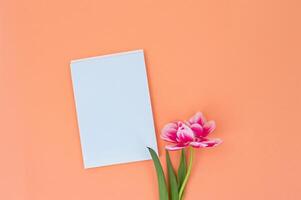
{"x": 193, "y": 133}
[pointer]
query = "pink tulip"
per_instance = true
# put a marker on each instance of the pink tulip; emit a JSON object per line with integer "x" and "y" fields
{"x": 193, "y": 133}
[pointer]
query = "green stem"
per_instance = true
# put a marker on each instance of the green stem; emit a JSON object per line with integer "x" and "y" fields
{"x": 188, "y": 173}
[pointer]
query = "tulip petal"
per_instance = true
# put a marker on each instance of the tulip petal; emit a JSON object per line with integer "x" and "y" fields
{"x": 197, "y": 130}
{"x": 175, "y": 147}
{"x": 184, "y": 133}
{"x": 198, "y": 118}
{"x": 197, "y": 144}
{"x": 212, "y": 142}
{"x": 208, "y": 128}
{"x": 169, "y": 132}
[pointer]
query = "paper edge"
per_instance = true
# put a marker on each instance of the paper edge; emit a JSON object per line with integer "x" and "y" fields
{"x": 107, "y": 55}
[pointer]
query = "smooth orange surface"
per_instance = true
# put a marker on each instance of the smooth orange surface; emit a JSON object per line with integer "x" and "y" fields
{"x": 237, "y": 61}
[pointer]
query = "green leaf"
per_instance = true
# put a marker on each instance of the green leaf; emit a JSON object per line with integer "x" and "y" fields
{"x": 173, "y": 185}
{"x": 163, "y": 192}
{"x": 182, "y": 170}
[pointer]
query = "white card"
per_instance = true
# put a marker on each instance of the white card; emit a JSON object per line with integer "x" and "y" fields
{"x": 113, "y": 108}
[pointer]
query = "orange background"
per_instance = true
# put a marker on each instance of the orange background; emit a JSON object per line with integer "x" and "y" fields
{"x": 237, "y": 61}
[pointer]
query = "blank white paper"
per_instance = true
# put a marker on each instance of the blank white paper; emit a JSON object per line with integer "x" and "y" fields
{"x": 113, "y": 108}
